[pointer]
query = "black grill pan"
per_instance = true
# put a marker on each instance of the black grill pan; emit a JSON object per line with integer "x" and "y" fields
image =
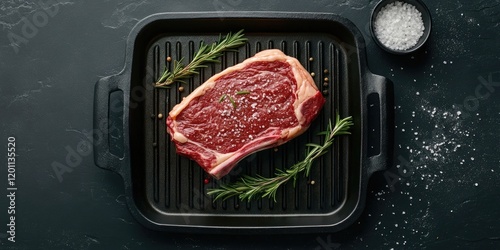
{"x": 168, "y": 192}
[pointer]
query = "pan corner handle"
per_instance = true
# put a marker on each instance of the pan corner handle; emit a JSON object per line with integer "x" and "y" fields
{"x": 108, "y": 132}
{"x": 380, "y": 106}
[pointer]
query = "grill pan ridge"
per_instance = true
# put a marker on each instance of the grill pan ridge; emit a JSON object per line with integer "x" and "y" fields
{"x": 168, "y": 192}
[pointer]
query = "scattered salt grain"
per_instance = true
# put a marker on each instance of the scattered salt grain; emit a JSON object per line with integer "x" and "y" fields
{"x": 399, "y": 26}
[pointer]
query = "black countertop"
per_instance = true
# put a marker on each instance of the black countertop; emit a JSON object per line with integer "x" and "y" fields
{"x": 443, "y": 190}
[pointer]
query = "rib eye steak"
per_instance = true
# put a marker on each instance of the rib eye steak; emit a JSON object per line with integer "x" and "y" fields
{"x": 263, "y": 102}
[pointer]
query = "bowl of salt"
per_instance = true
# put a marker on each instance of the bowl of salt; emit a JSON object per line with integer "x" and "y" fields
{"x": 400, "y": 26}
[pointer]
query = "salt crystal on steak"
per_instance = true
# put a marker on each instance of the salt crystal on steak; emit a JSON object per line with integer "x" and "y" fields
{"x": 263, "y": 102}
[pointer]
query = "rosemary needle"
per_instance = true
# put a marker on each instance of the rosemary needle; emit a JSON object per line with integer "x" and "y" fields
{"x": 233, "y": 102}
{"x": 222, "y": 98}
{"x": 243, "y": 92}
{"x": 249, "y": 187}
{"x": 205, "y": 54}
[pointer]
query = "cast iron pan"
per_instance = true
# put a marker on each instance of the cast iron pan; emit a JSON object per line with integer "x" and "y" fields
{"x": 168, "y": 192}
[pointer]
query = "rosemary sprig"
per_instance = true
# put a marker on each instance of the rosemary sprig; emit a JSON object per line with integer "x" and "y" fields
{"x": 248, "y": 187}
{"x": 206, "y": 54}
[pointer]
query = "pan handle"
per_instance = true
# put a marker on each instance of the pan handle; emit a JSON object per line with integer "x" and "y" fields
{"x": 380, "y": 118}
{"x": 108, "y": 122}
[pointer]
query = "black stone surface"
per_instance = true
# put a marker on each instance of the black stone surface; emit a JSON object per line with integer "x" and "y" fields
{"x": 442, "y": 192}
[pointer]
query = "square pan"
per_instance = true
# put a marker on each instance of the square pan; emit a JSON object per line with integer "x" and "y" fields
{"x": 168, "y": 192}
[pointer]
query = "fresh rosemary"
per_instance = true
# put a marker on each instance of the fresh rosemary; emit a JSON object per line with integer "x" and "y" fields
{"x": 222, "y": 98}
{"x": 205, "y": 54}
{"x": 249, "y": 187}
{"x": 233, "y": 102}
{"x": 243, "y": 92}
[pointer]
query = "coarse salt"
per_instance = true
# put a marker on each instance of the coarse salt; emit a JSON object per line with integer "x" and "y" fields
{"x": 399, "y": 26}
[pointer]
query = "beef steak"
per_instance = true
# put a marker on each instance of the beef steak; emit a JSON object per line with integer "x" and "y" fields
{"x": 263, "y": 102}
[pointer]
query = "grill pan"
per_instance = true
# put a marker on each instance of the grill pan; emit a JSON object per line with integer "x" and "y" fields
{"x": 165, "y": 191}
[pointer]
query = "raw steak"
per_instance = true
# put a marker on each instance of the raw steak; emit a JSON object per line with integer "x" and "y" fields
{"x": 260, "y": 103}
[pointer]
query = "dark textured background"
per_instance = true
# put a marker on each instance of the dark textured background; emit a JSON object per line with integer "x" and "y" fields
{"x": 443, "y": 190}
